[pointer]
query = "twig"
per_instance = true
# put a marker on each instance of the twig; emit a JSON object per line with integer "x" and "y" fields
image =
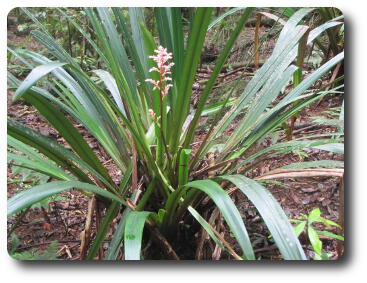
{"x": 85, "y": 235}
{"x": 295, "y": 173}
{"x": 98, "y": 225}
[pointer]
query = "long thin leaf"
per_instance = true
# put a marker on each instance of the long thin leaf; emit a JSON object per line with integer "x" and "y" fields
{"x": 229, "y": 212}
{"x": 210, "y": 230}
{"x": 273, "y": 215}
{"x": 35, "y": 75}
{"x": 193, "y": 51}
{"x": 117, "y": 239}
{"x": 134, "y": 234}
{"x": 35, "y": 194}
{"x": 218, "y": 66}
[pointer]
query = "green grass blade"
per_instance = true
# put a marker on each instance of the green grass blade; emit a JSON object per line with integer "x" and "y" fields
{"x": 164, "y": 26}
{"x": 229, "y": 212}
{"x": 269, "y": 117}
{"x": 279, "y": 148}
{"x": 35, "y": 194}
{"x": 133, "y": 235}
{"x": 117, "y": 49}
{"x": 133, "y": 45}
{"x": 273, "y": 215}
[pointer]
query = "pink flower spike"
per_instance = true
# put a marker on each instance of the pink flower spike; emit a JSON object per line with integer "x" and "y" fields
{"x": 150, "y": 81}
{"x": 163, "y": 68}
{"x": 166, "y": 89}
{"x": 151, "y": 113}
{"x": 153, "y": 69}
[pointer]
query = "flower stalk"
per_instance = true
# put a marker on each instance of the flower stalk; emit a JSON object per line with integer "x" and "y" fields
{"x": 164, "y": 69}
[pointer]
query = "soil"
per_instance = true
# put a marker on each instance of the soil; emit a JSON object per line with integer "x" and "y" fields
{"x": 64, "y": 220}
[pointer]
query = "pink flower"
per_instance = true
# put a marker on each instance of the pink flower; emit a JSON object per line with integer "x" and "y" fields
{"x": 163, "y": 69}
{"x": 151, "y": 113}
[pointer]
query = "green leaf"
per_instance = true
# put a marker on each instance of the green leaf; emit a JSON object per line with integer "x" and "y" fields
{"x": 136, "y": 15}
{"x": 133, "y": 235}
{"x": 221, "y": 17}
{"x": 111, "y": 85}
{"x": 273, "y": 215}
{"x": 117, "y": 239}
{"x": 191, "y": 60}
{"x": 330, "y": 235}
{"x": 35, "y": 161}
{"x": 54, "y": 151}
{"x": 35, "y": 194}
{"x": 229, "y": 212}
{"x": 34, "y": 76}
{"x": 298, "y": 229}
{"x": 337, "y": 148}
{"x": 209, "y": 229}
{"x": 214, "y": 75}
{"x": 315, "y": 240}
{"x": 58, "y": 120}
{"x": 183, "y": 173}
{"x": 314, "y": 216}
{"x": 46, "y": 168}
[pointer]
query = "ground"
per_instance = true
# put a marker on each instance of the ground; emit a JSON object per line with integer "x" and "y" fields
{"x": 63, "y": 220}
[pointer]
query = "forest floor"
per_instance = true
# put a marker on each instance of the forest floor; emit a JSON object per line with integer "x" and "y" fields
{"x": 63, "y": 220}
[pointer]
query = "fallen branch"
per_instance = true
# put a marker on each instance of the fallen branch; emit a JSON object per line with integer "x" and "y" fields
{"x": 296, "y": 173}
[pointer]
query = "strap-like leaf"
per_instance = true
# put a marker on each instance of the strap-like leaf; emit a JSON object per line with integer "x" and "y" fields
{"x": 273, "y": 215}
{"x": 229, "y": 212}
{"x": 192, "y": 56}
{"x": 210, "y": 230}
{"x": 333, "y": 147}
{"x": 134, "y": 234}
{"x": 34, "y": 76}
{"x": 35, "y": 194}
{"x": 117, "y": 239}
